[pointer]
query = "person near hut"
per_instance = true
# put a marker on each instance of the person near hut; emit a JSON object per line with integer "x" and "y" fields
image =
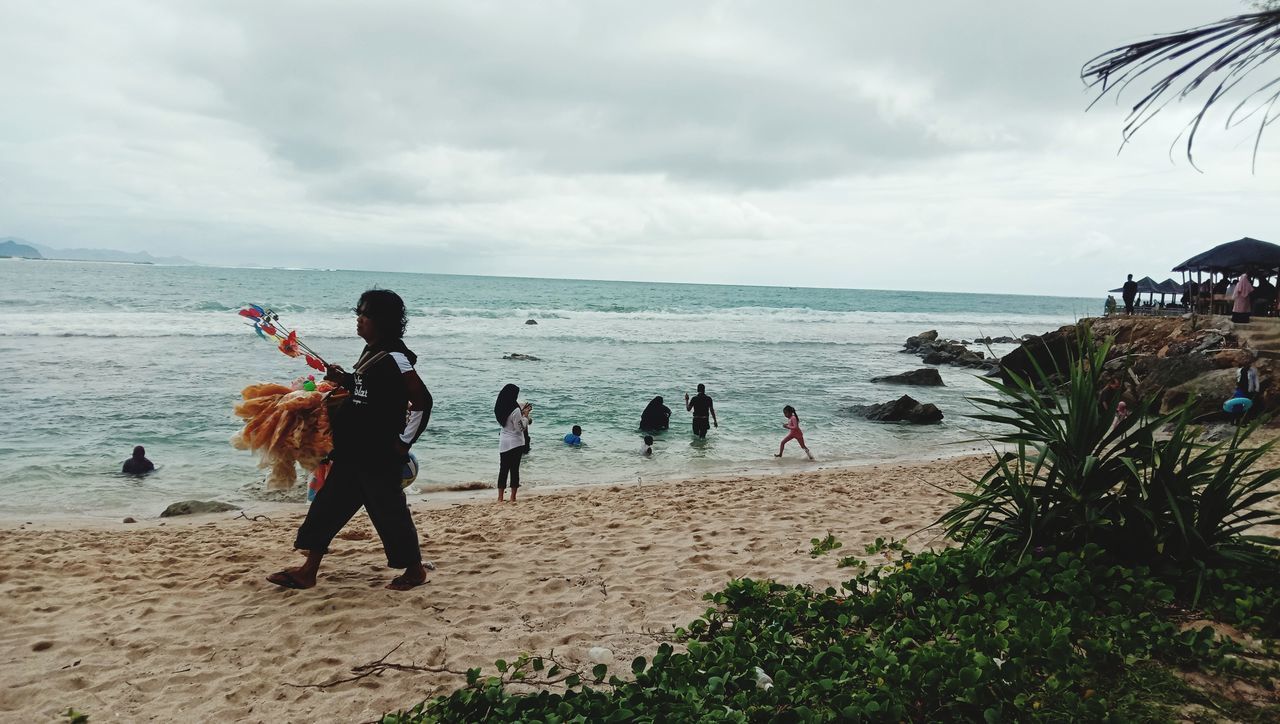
{"x": 1128, "y": 293}
{"x": 1241, "y": 305}
{"x": 1264, "y": 296}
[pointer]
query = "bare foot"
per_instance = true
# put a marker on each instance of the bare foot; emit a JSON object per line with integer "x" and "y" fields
{"x": 778, "y": 455}
{"x": 411, "y": 578}
{"x": 297, "y": 578}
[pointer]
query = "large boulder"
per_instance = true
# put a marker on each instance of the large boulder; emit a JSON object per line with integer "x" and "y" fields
{"x": 1162, "y": 373}
{"x": 937, "y": 357}
{"x": 1206, "y": 393}
{"x": 193, "y": 507}
{"x": 927, "y": 377}
{"x": 1050, "y": 351}
{"x": 903, "y": 409}
{"x": 924, "y": 338}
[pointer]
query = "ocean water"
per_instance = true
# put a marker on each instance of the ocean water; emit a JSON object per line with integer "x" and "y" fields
{"x": 101, "y": 357}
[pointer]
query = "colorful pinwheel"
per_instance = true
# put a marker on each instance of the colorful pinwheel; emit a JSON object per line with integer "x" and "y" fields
{"x": 267, "y": 324}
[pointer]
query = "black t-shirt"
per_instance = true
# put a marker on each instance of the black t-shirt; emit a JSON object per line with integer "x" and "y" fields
{"x": 701, "y": 403}
{"x": 370, "y": 422}
{"x": 1130, "y": 289}
{"x": 137, "y": 466}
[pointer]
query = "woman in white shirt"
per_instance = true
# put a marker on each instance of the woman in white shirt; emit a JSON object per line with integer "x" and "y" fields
{"x": 514, "y": 419}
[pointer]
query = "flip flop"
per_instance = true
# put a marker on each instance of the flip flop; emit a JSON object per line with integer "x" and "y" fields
{"x": 400, "y": 583}
{"x": 285, "y": 579}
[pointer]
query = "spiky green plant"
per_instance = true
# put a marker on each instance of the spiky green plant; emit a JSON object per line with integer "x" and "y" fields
{"x": 1146, "y": 487}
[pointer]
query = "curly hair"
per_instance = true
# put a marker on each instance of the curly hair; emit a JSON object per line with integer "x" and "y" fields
{"x": 387, "y": 311}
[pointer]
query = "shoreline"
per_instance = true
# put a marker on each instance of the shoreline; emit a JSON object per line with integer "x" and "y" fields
{"x": 153, "y": 621}
{"x": 437, "y": 499}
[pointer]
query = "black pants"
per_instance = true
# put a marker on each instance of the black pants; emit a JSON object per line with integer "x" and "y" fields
{"x": 1128, "y": 305}
{"x": 376, "y": 486}
{"x": 509, "y": 462}
{"x": 701, "y": 425}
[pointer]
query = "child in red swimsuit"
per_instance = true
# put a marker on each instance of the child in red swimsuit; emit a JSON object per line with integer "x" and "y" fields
{"x": 793, "y": 427}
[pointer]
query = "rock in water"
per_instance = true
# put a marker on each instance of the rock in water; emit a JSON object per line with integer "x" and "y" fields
{"x": 519, "y": 356}
{"x": 530, "y": 321}
{"x": 192, "y": 507}
{"x": 903, "y": 409}
{"x": 926, "y": 377}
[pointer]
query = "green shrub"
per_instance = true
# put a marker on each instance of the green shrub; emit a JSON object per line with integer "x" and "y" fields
{"x": 1147, "y": 489}
{"x": 964, "y": 634}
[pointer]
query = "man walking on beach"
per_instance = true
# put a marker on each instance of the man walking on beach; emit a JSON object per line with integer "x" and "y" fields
{"x": 703, "y": 409}
{"x": 371, "y": 439}
{"x": 1129, "y": 292}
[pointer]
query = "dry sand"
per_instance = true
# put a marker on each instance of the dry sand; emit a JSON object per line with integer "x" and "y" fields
{"x": 153, "y": 622}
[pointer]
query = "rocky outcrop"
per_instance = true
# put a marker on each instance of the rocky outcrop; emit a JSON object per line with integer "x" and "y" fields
{"x": 935, "y": 351}
{"x": 530, "y": 321}
{"x": 926, "y": 377}
{"x": 193, "y": 507}
{"x": 1048, "y": 352}
{"x": 904, "y": 409}
{"x": 1205, "y": 393}
{"x": 1175, "y": 360}
{"x": 519, "y": 356}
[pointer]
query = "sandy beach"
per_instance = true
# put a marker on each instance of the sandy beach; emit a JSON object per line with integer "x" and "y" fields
{"x": 173, "y": 620}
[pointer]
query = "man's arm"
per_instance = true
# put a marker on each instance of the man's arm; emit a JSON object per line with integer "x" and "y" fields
{"x": 712, "y": 407}
{"x": 419, "y": 409}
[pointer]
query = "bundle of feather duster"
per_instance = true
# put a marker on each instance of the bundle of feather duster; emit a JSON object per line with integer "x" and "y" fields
{"x": 287, "y": 427}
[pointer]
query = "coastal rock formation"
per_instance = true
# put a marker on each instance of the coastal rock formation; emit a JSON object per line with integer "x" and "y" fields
{"x": 1039, "y": 352}
{"x": 530, "y": 321}
{"x": 926, "y": 376}
{"x": 1180, "y": 360}
{"x": 518, "y": 356}
{"x": 914, "y": 343}
{"x": 903, "y": 409}
{"x": 1205, "y": 393}
{"x": 193, "y": 507}
{"x": 935, "y": 351}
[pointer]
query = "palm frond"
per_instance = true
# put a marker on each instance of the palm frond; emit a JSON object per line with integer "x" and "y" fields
{"x": 1228, "y": 50}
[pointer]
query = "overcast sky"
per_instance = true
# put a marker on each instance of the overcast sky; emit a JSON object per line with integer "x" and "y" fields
{"x": 940, "y": 145}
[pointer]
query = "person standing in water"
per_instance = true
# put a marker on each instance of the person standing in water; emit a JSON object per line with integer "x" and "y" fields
{"x": 371, "y": 438}
{"x": 514, "y": 419}
{"x": 792, "y": 426}
{"x": 656, "y": 416}
{"x": 138, "y": 464}
{"x": 703, "y": 410}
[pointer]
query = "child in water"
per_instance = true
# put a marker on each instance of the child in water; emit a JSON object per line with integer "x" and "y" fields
{"x": 574, "y": 438}
{"x": 793, "y": 426}
{"x": 646, "y": 449}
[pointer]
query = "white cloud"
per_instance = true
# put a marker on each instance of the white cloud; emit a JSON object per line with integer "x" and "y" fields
{"x": 837, "y": 144}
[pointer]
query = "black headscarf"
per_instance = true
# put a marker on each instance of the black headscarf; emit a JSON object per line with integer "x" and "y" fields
{"x": 656, "y": 416}
{"x": 506, "y": 403}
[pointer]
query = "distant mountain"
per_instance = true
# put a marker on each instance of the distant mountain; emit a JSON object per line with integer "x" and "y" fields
{"x": 39, "y": 251}
{"x": 10, "y": 246}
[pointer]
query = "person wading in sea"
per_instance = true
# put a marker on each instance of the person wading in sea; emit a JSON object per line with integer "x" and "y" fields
{"x": 703, "y": 409}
